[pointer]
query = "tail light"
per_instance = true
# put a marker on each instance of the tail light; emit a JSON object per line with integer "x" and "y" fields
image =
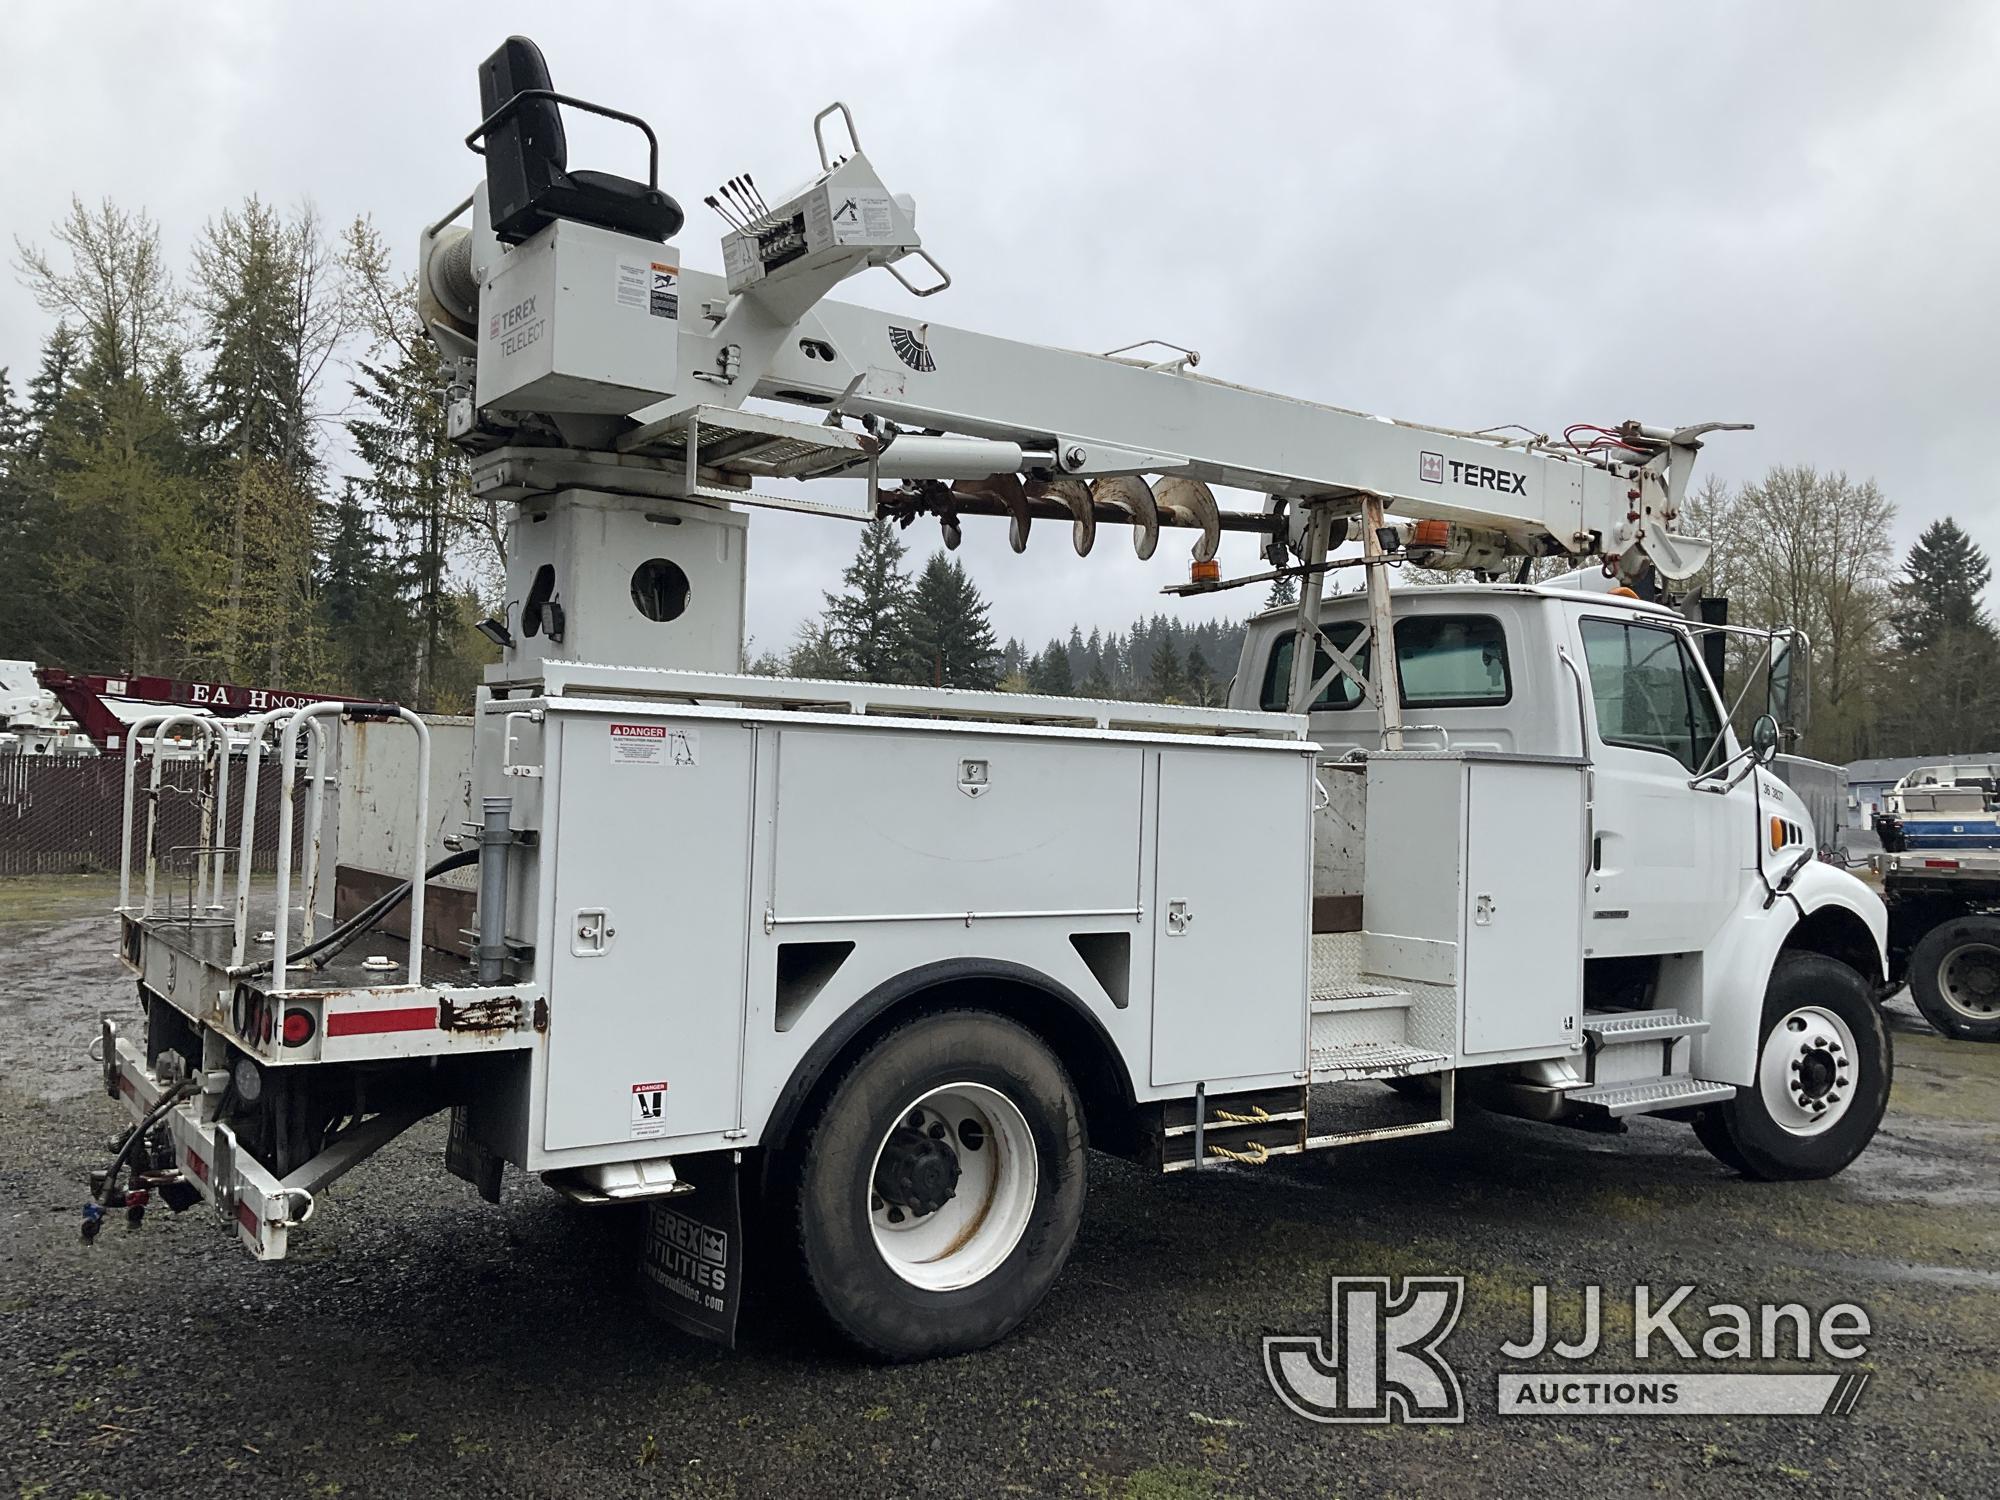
{"x": 299, "y": 1027}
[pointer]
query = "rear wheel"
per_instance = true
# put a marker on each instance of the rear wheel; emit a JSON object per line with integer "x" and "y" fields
{"x": 938, "y": 1193}
{"x": 1822, "y": 1079}
{"x": 1955, "y": 977}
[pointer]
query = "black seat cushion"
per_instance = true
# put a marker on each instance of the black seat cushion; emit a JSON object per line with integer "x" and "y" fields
{"x": 528, "y": 179}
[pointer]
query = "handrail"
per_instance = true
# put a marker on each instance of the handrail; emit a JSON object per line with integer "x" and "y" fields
{"x": 144, "y": 721}
{"x": 289, "y": 749}
{"x": 246, "y": 849}
{"x": 499, "y": 116}
{"x": 210, "y": 730}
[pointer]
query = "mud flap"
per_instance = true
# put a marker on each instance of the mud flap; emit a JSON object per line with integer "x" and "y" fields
{"x": 691, "y": 1266}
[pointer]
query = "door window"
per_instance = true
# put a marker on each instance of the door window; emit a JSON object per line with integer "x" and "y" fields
{"x": 1649, "y": 693}
{"x": 1444, "y": 661}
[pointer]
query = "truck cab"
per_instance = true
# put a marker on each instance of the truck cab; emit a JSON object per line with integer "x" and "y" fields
{"x": 1698, "y": 872}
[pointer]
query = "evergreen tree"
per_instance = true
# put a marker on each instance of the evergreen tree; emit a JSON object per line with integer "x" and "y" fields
{"x": 870, "y": 620}
{"x": 1166, "y": 678}
{"x": 368, "y": 622}
{"x": 1284, "y": 591}
{"x": 1050, "y": 672}
{"x": 1944, "y": 577}
{"x": 1201, "y": 681}
{"x": 418, "y": 482}
{"x": 818, "y": 655}
{"x": 951, "y": 643}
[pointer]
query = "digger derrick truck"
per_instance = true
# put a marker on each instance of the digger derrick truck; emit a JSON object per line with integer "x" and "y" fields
{"x": 881, "y": 962}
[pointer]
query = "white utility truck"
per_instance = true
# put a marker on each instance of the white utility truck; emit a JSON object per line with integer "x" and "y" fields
{"x": 882, "y": 962}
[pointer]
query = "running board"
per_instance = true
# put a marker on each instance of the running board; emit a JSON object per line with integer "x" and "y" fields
{"x": 1651, "y": 1096}
{"x": 1386, "y": 1133}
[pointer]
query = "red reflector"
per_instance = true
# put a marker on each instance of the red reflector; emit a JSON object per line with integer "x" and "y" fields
{"x": 196, "y": 1165}
{"x": 247, "y": 1217}
{"x": 369, "y": 1022}
{"x": 1940, "y": 864}
{"x": 298, "y": 1027}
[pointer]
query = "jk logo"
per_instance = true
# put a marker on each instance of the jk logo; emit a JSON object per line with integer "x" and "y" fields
{"x": 1379, "y": 1361}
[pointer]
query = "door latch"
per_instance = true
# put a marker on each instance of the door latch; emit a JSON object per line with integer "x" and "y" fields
{"x": 591, "y": 932}
{"x": 1179, "y": 918}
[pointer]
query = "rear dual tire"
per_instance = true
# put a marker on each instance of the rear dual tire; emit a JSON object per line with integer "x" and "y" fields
{"x": 938, "y": 1191}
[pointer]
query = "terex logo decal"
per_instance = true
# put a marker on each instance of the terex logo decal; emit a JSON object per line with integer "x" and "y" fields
{"x": 516, "y": 328}
{"x": 1479, "y": 477}
{"x": 1431, "y": 467}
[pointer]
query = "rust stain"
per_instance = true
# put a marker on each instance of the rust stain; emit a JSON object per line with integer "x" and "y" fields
{"x": 501, "y": 1013}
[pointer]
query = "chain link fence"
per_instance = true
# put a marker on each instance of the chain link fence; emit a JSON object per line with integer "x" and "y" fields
{"x": 62, "y": 814}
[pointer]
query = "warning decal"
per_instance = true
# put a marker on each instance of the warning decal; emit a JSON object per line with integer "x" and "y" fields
{"x": 665, "y": 288}
{"x": 649, "y": 1110}
{"x": 635, "y": 281}
{"x": 655, "y": 745}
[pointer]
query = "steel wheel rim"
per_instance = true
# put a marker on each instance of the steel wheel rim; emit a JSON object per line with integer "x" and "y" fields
{"x": 1809, "y": 1071}
{"x": 966, "y": 1238}
{"x": 1969, "y": 981}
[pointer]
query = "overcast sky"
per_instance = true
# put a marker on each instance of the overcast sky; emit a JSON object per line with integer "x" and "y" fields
{"x": 1453, "y": 213}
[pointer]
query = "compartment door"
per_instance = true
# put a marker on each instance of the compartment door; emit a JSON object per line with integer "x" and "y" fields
{"x": 652, "y": 896}
{"x": 1524, "y": 875}
{"x": 1230, "y": 915}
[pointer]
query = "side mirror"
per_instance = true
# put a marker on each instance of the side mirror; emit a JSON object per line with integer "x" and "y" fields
{"x": 1764, "y": 740}
{"x": 1785, "y": 683}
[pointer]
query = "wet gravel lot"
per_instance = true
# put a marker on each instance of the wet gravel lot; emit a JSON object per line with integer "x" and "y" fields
{"x": 420, "y": 1342}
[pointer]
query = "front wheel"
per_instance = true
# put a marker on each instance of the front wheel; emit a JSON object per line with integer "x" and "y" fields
{"x": 939, "y": 1190}
{"x": 1955, "y": 977}
{"x": 1822, "y": 1078}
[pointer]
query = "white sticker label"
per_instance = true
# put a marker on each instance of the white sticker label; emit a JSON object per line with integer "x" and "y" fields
{"x": 635, "y": 284}
{"x": 655, "y": 745}
{"x": 649, "y": 1110}
{"x": 862, "y": 219}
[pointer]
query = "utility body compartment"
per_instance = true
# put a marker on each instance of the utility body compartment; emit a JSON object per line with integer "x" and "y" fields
{"x": 722, "y": 884}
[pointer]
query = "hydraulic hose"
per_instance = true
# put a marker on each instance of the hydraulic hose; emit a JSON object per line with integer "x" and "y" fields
{"x": 325, "y": 948}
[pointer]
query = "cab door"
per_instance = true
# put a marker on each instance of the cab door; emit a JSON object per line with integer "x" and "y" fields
{"x": 1667, "y": 859}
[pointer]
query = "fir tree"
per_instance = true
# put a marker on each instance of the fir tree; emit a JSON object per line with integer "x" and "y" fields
{"x": 1944, "y": 577}
{"x": 951, "y": 642}
{"x": 870, "y": 621}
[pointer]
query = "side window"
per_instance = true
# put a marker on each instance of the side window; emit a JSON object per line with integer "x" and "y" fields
{"x": 1648, "y": 691}
{"x": 1339, "y": 693}
{"x": 1444, "y": 661}
{"x": 1452, "y": 661}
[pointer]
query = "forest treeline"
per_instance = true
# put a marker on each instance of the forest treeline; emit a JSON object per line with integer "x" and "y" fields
{"x": 236, "y": 468}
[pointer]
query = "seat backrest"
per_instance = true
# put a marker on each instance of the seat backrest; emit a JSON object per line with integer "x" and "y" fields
{"x": 527, "y": 151}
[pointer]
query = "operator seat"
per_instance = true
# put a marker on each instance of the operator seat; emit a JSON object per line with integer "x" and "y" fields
{"x": 528, "y": 181}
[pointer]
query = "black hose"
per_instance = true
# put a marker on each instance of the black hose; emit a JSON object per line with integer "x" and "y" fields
{"x": 153, "y": 1117}
{"x": 325, "y": 948}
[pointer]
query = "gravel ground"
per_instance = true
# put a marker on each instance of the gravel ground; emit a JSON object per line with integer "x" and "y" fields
{"x": 422, "y": 1343}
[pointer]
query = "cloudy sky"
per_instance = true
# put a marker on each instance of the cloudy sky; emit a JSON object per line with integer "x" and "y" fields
{"x": 1455, "y": 213}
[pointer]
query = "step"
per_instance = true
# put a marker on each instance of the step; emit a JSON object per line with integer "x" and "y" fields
{"x": 1334, "y": 999}
{"x": 1653, "y": 1094}
{"x": 1374, "y": 1060}
{"x": 1607, "y": 1028}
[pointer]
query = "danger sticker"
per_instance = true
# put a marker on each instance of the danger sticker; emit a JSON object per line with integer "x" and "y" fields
{"x": 654, "y": 745}
{"x": 665, "y": 299}
{"x": 649, "y": 1110}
